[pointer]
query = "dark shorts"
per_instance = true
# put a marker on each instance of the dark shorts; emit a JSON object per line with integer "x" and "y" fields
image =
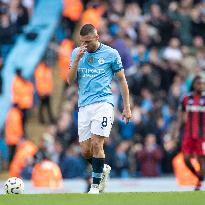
{"x": 193, "y": 146}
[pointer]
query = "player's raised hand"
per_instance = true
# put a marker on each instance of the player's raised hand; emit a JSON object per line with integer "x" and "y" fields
{"x": 82, "y": 50}
{"x": 126, "y": 115}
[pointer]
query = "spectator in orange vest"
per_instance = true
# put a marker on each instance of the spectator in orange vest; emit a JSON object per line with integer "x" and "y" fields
{"x": 24, "y": 154}
{"x": 22, "y": 94}
{"x": 72, "y": 10}
{"x": 46, "y": 174}
{"x": 64, "y": 53}
{"x": 44, "y": 87}
{"x": 93, "y": 15}
{"x": 13, "y": 129}
{"x": 16, "y": 87}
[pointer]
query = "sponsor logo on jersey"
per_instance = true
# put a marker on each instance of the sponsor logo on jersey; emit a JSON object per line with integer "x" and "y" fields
{"x": 195, "y": 108}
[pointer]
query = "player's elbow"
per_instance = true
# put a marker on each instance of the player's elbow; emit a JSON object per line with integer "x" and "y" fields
{"x": 122, "y": 81}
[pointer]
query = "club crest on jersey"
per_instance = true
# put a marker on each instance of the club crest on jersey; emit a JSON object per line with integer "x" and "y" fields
{"x": 90, "y": 60}
{"x": 101, "y": 61}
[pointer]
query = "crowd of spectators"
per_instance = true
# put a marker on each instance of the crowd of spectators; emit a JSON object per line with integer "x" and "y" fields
{"x": 14, "y": 15}
{"x": 162, "y": 47}
{"x": 161, "y": 44}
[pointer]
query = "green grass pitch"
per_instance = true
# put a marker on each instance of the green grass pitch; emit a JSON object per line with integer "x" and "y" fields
{"x": 151, "y": 198}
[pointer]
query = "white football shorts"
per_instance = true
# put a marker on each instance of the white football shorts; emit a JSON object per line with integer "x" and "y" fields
{"x": 95, "y": 119}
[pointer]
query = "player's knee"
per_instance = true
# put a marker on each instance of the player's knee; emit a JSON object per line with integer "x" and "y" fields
{"x": 85, "y": 151}
{"x": 97, "y": 146}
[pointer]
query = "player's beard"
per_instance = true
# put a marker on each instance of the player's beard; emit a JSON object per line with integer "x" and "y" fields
{"x": 93, "y": 47}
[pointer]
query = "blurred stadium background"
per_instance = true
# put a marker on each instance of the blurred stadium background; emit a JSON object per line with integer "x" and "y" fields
{"x": 162, "y": 48}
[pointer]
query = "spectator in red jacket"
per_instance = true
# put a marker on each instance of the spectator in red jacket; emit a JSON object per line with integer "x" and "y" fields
{"x": 150, "y": 157}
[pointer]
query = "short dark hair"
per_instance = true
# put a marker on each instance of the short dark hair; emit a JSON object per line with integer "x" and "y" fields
{"x": 87, "y": 29}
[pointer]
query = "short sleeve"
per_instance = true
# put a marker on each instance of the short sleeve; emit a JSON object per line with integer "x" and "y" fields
{"x": 73, "y": 55}
{"x": 117, "y": 62}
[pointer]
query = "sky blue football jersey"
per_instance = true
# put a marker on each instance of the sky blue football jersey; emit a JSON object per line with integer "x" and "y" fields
{"x": 95, "y": 73}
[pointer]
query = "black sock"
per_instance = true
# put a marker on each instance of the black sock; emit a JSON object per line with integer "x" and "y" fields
{"x": 190, "y": 166}
{"x": 89, "y": 160}
{"x": 98, "y": 164}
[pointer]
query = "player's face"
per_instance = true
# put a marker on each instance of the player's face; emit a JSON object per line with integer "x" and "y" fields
{"x": 198, "y": 85}
{"x": 90, "y": 41}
